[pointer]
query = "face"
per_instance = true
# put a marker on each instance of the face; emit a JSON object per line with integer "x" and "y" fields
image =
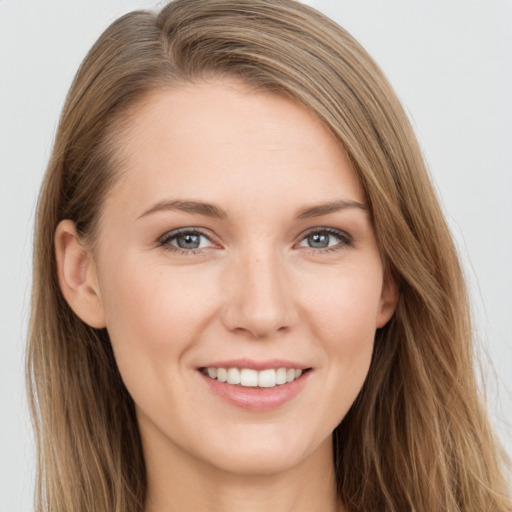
{"x": 237, "y": 244}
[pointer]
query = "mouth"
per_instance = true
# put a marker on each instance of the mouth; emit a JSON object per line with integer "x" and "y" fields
{"x": 255, "y": 385}
{"x": 252, "y": 378}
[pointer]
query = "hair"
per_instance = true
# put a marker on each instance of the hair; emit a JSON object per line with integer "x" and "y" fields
{"x": 417, "y": 437}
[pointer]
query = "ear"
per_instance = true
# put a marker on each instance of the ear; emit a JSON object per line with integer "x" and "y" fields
{"x": 78, "y": 279}
{"x": 388, "y": 300}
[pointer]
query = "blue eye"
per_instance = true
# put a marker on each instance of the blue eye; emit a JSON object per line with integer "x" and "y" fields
{"x": 190, "y": 241}
{"x": 326, "y": 239}
{"x": 185, "y": 240}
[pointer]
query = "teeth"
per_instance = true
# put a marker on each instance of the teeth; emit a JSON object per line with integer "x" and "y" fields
{"x": 233, "y": 376}
{"x": 267, "y": 379}
{"x": 281, "y": 376}
{"x": 222, "y": 374}
{"x": 253, "y": 378}
{"x": 248, "y": 377}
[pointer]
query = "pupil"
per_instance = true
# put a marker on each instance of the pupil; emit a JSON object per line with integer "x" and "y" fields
{"x": 188, "y": 241}
{"x": 318, "y": 240}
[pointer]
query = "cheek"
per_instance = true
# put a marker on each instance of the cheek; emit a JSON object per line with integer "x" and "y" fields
{"x": 154, "y": 318}
{"x": 152, "y": 313}
{"x": 345, "y": 306}
{"x": 344, "y": 317}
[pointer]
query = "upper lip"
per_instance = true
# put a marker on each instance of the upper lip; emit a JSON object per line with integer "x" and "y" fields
{"x": 256, "y": 365}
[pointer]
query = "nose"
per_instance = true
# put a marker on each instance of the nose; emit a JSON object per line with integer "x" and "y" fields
{"x": 259, "y": 297}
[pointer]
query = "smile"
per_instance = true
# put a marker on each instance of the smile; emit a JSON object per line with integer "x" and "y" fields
{"x": 255, "y": 385}
{"x": 249, "y": 377}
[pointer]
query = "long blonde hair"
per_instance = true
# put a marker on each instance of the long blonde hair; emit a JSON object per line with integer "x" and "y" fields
{"x": 417, "y": 437}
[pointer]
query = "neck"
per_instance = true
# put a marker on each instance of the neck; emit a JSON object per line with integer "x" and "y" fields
{"x": 177, "y": 483}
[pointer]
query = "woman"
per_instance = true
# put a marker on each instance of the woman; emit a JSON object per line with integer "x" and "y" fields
{"x": 245, "y": 292}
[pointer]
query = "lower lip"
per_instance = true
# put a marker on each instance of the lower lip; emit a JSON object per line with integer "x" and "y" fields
{"x": 257, "y": 399}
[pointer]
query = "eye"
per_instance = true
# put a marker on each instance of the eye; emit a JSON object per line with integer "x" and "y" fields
{"x": 323, "y": 239}
{"x": 185, "y": 240}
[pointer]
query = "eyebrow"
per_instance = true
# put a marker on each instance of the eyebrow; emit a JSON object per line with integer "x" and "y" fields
{"x": 326, "y": 208}
{"x": 187, "y": 206}
{"x": 211, "y": 210}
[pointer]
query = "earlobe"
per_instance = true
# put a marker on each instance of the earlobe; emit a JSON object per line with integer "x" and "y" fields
{"x": 77, "y": 274}
{"x": 388, "y": 301}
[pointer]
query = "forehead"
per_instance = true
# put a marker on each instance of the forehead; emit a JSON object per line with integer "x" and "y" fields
{"x": 215, "y": 136}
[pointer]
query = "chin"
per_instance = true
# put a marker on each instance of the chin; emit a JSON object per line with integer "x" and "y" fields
{"x": 265, "y": 454}
{"x": 268, "y": 464}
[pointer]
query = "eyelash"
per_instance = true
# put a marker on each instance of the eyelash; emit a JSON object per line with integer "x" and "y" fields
{"x": 164, "y": 241}
{"x": 345, "y": 240}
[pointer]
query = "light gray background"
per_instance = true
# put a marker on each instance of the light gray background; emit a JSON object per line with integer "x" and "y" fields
{"x": 451, "y": 63}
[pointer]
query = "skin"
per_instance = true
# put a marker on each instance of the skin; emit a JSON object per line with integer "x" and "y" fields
{"x": 255, "y": 289}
